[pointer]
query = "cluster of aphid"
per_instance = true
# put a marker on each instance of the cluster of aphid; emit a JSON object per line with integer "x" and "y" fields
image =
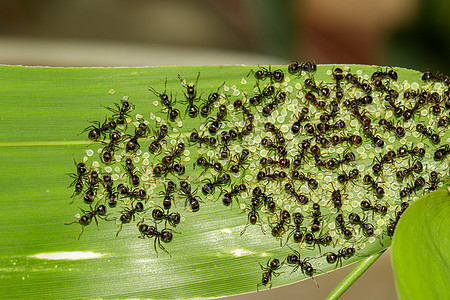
{"x": 301, "y": 158}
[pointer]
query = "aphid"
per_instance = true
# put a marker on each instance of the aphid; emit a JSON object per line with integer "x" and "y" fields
{"x": 324, "y": 239}
{"x": 140, "y": 131}
{"x": 163, "y": 170}
{"x": 247, "y": 114}
{"x": 324, "y": 91}
{"x": 209, "y": 187}
{"x": 98, "y": 131}
{"x": 155, "y": 146}
{"x": 240, "y": 162}
{"x": 296, "y": 67}
{"x": 367, "y": 205}
{"x": 130, "y": 168}
{"x": 168, "y": 197}
{"x": 442, "y": 152}
{"x": 90, "y": 193}
{"x": 109, "y": 150}
{"x": 79, "y": 178}
{"x": 253, "y": 215}
{"x": 281, "y": 150}
{"x": 203, "y": 162}
{"x": 172, "y": 218}
{"x": 195, "y": 137}
{"x": 344, "y": 253}
{"x": 279, "y": 228}
{"x": 172, "y": 112}
{"x": 367, "y": 228}
{"x": 216, "y": 123}
{"x": 344, "y": 178}
{"x": 276, "y": 132}
{"x": 190, "y": 196}
{"x": 354, "y": 139}
{"x": 433, "y": 183}
{"x": 164, "y": 235}
{"x": 111, "y": 195}
{"x": 270, "y": 107}
{"x": 416, "y": 167}
{"x": 282, "y": 162}
{"x": 376, "y": 188}
{"x": 340, "y": 222}
{"x": 418, "y": 183}
{"x": 434, "y": 137}
{"x": 310, "y": 129}
{"x": 264, "y": 73}
{"x": 85, "y": 220}
{"x": 333, "y": 163}
{"x": 191, "y": 97}
{"x": 398, "y": 130}
{"x": 386, "y": 158}
{"x": 299, "y": 120}
{"x": 312, "y": 183}
{"x": 169, "y": 159}
{"x": 235, "y": 190}
{"x": 269, "y": 271}
{"x": 304, "y": 265}
{"x": 377, "y": 141}
{"x": 297, "y": 229}
{"x": 128, "y": 214}
{"x": 276, "y": 175}
{"x": 416, "y": 151}
{"x": 121, "y": 112}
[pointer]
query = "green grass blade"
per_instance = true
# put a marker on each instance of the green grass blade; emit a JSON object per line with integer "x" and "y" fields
{"x": 46, "y": 109}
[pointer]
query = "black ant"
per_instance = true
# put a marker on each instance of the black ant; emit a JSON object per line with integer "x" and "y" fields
{"x": 216, "y": 123}
{"x": 397, "y": 109}
{"x": 367, "y": 228}
{"x": 98, "y": 131}
{"x": 382, "y": 75}
{"x": 109, "y": 150}
{"x": 130, "y": 168}
{"x": 435, "y": 98}
{"x": 224, "y": 152}
{"x": 202, "y": 139}
{"x": 235, "y": 190}
{"x": 340, "y": 222}
{"x": 315, "y": 150}
{"x": 132, "y": 194}
{"x": 86, "y": 219}
{"x": 416, "y": 167}
{"x": 333, "y": 163}
{"x": 354, "y": 139}
{"x": 168, "y": 197}
{"x": 312, "y": 183}
{"x": 296, "y": 67}
{"x": 240, "y": 161}
{"x": 276, "y": 132}
{"x": 203, "y": 162}
{"x": 324, "y": 91}
{"x": 324, "y": 127}
{"x": 377, "y": 141}
{"x": 365, "y": 87}
{"x": 299, "y": 119}
{"x": 428, "y": 76}
{"x": 164, "y": 235}
{"x": 92, "y": 189}
{"x": 111, "y": 195}
{"x": 276, "y": 175}
{"x": 245, "y": 131}
{"x": 433, "y": 183}
{"x": 208, "y": 188}
{"x": 336, "y": 198}
{"x": 324, "y": 239}
{"x": 442, "y": 152}
{"x": 262, "y": 74}
{"x": 128, "y": 215}
{"x": 169, "y": 159}
{"x": 399, "y": 130}
{"x": 282, "y": 162}
{"x": 212, "y": 98}
{"x": 247, "y": 114}
{"x": 133, "y": 145}
{"x": 121, "y": 112}
{"x": 409, "y": 113}
{"x": 270, "y": 107}
{"x": 267, "y": 200}
{"x": 344, "y": 253}
{"x": 377, "y": 189}
{"x": 304, "y": 146}
{"x": 78, "y": 178}
{"x": 172, "y": 112}
{"x": 310, "y": 129}
{"x": 434, "y": 137}
{"x": 304, "y": 265}
{"x": 278, "y": 229}
{"x": 362, "y": 117}
{"x": 443, "y": 122}
{"x": 367, "y": 205}
{"x": 344, "y": 178}
{"x": 403, "y": 151}
{"x": 193, "y": 200}
{"x": 296, "y": 232}
{"x": 269, "y": 271}
{"x": 311, "y": 98}
{"x": 303, "y": 199}
{"x": 338, "y": 76}
{"x": 281, "y": 150}
{"x": 266, "y": 92}
{"x": 393, "y": 222}
{"x": 173, "y": 218}
{"x": 418, "y": 183}
{"x": 155, "y": 146}
{"x": 386, "y": 158}
{"x": 161, "y": 169}
{"x": 253, "y": 215}
{"x": 190, "y": 96}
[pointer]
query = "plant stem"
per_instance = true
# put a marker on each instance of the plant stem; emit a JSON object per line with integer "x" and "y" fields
{"x": 353, "y": 275}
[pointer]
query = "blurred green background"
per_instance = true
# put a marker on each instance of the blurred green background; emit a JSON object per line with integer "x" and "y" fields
{"x": 404, "y": 33}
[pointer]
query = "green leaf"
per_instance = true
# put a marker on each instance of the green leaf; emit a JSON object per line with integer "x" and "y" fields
{"x": 44, "y": 110}
{"x": 420, "y": 255}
